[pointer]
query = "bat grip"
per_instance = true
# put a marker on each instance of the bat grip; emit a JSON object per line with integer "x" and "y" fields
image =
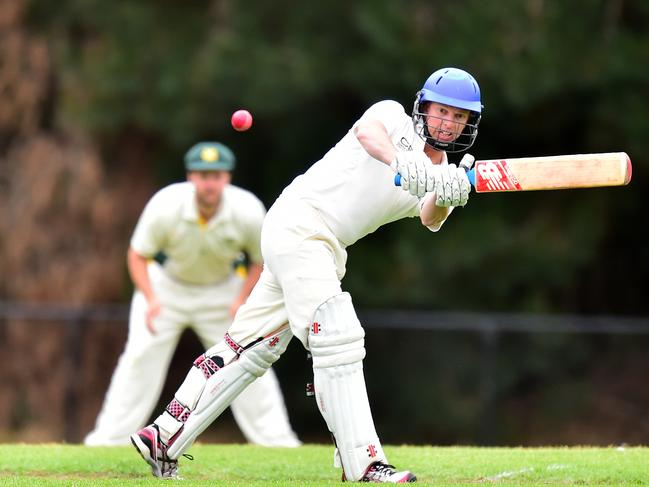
{"x": 470, "y": 173}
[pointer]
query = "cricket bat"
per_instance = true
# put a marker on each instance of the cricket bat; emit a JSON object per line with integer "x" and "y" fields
{"x": 548, "y": 172}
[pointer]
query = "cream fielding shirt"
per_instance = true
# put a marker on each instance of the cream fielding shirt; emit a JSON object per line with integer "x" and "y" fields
{"x": 199, "y": 252}
{"x": 354, "y": 192}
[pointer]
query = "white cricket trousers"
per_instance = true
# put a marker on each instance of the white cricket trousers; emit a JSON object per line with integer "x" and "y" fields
{"x": 304, "y": 263}
{"x": 303, "y": 266}
{"x": 141, "y": 370}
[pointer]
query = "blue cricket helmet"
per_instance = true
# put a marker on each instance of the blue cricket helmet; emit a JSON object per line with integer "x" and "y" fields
{"x": 456, "y": 88}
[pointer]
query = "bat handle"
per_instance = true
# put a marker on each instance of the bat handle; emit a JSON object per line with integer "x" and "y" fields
{"x": 470, "y": 173}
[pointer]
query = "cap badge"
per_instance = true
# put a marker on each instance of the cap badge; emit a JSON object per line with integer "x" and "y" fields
{"x": 209, "y": 154}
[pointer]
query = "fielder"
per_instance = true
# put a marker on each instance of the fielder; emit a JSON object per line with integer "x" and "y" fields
{"x": 346, "y": 195}
{"x": 202, "y": 226}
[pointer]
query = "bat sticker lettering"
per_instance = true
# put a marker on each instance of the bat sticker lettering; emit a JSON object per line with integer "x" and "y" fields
{"x": 495, "y": 176}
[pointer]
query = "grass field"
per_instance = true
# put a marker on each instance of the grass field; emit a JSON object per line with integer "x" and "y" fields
{"x": 311, "y": 465}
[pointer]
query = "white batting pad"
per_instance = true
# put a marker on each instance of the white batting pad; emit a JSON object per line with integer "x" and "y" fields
{"x": 336, "y": 341}
{"x": 210, "y": 387}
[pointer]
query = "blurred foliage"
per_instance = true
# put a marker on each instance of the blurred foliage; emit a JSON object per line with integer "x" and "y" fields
{"x": 131, "y": 84}
{"x": 556, "y": 77}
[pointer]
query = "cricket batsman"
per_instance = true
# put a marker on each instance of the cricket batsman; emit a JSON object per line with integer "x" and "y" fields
{"x": 201, "y": 226}
{"x": 344, "y": 196}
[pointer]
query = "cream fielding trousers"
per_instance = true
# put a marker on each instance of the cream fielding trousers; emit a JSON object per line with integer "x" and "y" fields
{"x": 139, "y": 377}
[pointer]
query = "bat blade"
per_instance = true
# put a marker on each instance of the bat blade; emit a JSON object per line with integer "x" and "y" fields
{"x": 551, "y": 172}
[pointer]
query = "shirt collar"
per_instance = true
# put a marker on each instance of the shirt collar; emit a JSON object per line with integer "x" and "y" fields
{"x": 190, "y": 208}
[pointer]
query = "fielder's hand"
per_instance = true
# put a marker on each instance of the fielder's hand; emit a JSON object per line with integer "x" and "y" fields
{"x": 152, "y": 311}
{"x": 418, "y": 174}
{"x": 452, "y": 187}
{"x": 234, "y": 307}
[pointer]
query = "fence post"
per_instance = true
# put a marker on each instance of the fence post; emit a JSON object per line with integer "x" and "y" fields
{"x": 487, "y": 427}
{"x": 74, "y": 335}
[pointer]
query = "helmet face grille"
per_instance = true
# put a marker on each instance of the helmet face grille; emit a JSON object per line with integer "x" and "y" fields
{"x": 462, "y": 141}
{"x": 456, "y": 88}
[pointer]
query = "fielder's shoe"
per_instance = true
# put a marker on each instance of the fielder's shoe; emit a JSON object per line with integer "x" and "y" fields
{"x": 382, "y": 472}
{"x": 147, "y": 443}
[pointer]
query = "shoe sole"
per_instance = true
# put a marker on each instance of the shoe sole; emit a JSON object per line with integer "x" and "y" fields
{"x": 408, "y": 478}
{"x": 145, "y": 453}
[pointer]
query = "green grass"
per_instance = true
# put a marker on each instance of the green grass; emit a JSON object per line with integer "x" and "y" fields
{"x": 311, "y": 465}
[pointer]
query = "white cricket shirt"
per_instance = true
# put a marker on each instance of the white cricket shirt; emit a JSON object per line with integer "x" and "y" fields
{"x": 355, "y": 193}
{"x": 199, "y": 252}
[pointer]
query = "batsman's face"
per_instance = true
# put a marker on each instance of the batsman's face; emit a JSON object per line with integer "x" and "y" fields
{"x": 445, "y": 123}
{"x": 209, "y": 186}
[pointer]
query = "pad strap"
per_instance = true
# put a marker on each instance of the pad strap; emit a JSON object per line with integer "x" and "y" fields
{"x": 216, "y": 378}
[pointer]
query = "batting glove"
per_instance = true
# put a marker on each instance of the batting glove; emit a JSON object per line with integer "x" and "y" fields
{"x": 418, "y": 174}
{"x": 467, "y": 162}
{"x": 452, "y": 188}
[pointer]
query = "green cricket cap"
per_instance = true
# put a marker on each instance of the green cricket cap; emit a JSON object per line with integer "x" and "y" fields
{"x": 209, "y": 156}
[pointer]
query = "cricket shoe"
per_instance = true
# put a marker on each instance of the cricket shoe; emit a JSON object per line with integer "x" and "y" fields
{"x": 147, "y": 443}
{"x": 382, "y": 472}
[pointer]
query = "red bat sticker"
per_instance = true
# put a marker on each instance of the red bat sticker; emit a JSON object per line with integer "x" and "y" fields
{"x": 495, "y": 176}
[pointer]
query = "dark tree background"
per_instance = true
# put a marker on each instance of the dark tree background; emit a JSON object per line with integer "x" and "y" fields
{"x": 99, "y": 101}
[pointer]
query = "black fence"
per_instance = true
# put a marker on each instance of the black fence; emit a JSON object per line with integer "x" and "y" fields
{"x": 489, "y": 326}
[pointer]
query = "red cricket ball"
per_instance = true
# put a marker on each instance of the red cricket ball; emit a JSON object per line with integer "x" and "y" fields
{"x": 241, "y": 120}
